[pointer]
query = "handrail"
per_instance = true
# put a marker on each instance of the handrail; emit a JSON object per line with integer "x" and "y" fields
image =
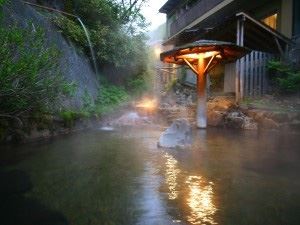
{"x": 265, "y": 27}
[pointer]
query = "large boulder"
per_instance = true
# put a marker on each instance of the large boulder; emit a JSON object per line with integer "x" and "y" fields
{"x": 239, "y": 120}
{"x": 215, "y": 118}
{"x": 179, "y": 134}
{"x": 221, "y": 103}
{"x": 234, "y": 120}
{"x": 218, "y": 108}
{"x": 249, "y": 124}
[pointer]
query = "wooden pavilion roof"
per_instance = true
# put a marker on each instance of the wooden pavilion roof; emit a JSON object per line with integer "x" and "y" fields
{"x": 225, "y": 51}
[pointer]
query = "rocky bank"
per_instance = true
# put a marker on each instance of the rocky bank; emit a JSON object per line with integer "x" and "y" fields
{"x": 222, "y": 111}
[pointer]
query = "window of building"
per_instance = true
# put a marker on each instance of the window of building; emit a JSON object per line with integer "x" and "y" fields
{"x": 271, "y": 21}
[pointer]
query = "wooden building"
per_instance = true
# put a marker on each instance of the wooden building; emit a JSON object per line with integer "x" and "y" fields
{"x": 267, "y": 27}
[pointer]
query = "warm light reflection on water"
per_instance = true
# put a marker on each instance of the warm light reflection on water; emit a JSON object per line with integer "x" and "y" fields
{"x": 172, "y": 172}
{"x": 199, "y": 196}
{"x": 200, "y": 201}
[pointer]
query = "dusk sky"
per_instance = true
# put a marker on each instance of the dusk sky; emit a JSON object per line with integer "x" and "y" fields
{"x": 151, "y": 13}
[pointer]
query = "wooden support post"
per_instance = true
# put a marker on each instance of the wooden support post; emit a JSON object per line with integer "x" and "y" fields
{"x": 247, "y": 59}
{"x": 237, "y": 64}
{"x": 279, "y": 47}
{"x": 252, "y": 74}
{"x": 260, "y": 74}
{"x": 264, "y": 71}
{"x": 201, "y": 94}
{"x": 242, "y": 60}
{"x": 255, "y": 80}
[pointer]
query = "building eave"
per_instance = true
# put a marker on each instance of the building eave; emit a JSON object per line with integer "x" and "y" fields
{"x": 209, "y": 13}
{"x": 169, "y": 6}
{"x": 257, "y": 36}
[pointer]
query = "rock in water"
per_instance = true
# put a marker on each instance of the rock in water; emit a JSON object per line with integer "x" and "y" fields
{"x": 179, "y": 134}
{"x": 130, "y": 119}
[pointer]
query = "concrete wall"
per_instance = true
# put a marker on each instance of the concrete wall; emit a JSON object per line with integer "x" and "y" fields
{"x": 286, "y": 18}
{"x": 191, "y": 77}
{"x": 229, "y": 78}
{"x": 296, "y": 30}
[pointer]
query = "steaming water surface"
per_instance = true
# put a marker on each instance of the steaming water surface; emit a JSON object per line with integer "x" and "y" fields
{"x": 120, "y": 177}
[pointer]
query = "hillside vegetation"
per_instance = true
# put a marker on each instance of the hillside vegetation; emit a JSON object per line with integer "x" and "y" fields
{"x": 32, "y": 87}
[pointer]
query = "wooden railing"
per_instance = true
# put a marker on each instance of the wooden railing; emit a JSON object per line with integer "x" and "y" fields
{"x": 199, "y": 9}
{"x": 253, "y": 74}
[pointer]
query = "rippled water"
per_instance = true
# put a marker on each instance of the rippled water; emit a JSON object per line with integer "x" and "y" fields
{"x": 120, "y": 177}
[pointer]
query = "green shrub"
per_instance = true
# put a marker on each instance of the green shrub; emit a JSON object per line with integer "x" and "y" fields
{"x": 72, "y": 30}
{"x": 88, "y": 103}
{"x": 137, "y": 85}
{"x": 110, "y": 95}
{"x": 69, "y": 117}
{"x": 285, "y": 78}
{"x": 2, "y": 2}
{"x": 30, "y": 79}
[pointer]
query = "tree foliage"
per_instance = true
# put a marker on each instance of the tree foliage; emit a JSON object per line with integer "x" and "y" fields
{"x": 130, "y": 15}
{"x": 1, "y": 4}
{"x": 117, "y": 30}
{"x": 285, "y": 78}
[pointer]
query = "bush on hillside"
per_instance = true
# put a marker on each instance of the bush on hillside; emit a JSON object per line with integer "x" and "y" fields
{"x": 285, "y": 78}
{"x": 30, "y": 80}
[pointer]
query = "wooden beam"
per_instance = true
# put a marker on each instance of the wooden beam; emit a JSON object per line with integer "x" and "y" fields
{"x": 191, "y": 66}
{"x": 242, "y": 64}
{"x": 211, "y": 67}
{"x": 209, "y": 63}
{"x": 279, "y": 47}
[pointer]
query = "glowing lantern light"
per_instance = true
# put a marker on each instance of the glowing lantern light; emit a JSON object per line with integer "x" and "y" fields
{"x": 147, "y": 106}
